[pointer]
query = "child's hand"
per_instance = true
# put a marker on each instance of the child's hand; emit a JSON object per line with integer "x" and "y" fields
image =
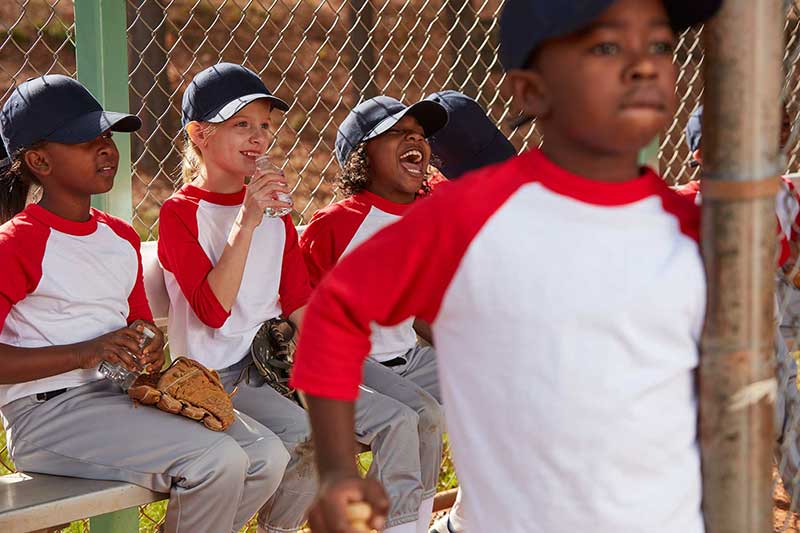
{"x": 337, "y": 503}
{"x": 152, "y": 356}
{"x": 118, "y": 347}
{"x": 260, "y": 195}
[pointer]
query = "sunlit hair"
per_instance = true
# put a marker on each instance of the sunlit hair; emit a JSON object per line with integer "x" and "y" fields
{"x": 192, "y": 156}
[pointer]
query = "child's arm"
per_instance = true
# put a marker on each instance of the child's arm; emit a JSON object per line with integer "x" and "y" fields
{"x": 294, "y": 288}
{"x": 226, "y": 276}
{"x": 334, "y": 449}
{"x": 423, "y": 329}
{"x": 211, "y": 290}
{"x": 18, "y": 365}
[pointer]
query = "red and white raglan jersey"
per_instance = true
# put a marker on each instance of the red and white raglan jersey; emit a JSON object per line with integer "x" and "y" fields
{"x": 337, "y": 230}
{"x": 65, "y": 282}
{"x": 566, "y": 315}
{"x": 787, "y": 211}
{"x": 194, "y": 225}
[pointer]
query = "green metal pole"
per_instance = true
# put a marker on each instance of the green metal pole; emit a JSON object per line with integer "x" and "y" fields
{"x": 125, "y": 521}
{"x": 102, "y": 61}
{"x": 649, "y": 154}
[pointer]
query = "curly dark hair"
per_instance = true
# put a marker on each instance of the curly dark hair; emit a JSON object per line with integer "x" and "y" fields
{"x": 354, "y": 177}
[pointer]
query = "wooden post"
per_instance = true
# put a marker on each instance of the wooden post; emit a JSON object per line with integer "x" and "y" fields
{"x": 741, "y": 123}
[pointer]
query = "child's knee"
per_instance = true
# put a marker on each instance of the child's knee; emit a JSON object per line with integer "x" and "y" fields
{"x": 431, "y": 415}
{"x": 224, "y": 465}
{"x": 274, "y": 453}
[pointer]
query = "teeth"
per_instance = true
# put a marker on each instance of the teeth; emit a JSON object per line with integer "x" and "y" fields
{"x": 414, "y": 156}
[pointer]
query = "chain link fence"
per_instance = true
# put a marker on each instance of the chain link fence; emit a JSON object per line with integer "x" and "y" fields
{"x": 322, "y": 57}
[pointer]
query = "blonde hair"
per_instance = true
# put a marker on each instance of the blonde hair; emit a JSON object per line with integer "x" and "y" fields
{"x": 191, "y": 155}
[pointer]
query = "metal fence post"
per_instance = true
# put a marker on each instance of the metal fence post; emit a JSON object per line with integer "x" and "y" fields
{"x": 102, "y": 63}
{"x": 743, "y": 76}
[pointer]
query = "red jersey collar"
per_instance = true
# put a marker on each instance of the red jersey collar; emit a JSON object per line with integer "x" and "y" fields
{"x": 381, "y": 203}
{"x": 62, "y": 224}
{"x": 234, "y": 198}
{"x": 565, "y": 183}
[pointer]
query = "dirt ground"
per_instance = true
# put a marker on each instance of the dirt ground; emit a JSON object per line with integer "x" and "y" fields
{"x": 783, "y": 521}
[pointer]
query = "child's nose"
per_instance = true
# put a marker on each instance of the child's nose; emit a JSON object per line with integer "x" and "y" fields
{"x": 642, "y": 68}
{"x": 415, "y": 136}
{"x": 260, "y": 136}
{"x": 107, "y": 145}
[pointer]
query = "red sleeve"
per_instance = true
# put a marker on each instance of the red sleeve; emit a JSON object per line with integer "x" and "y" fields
{"x": 138, "y": 306}
{"x": 327, "y": 236}
{"x": 689, "y": 189}
{"x": 294, "y": 288}
{"x": 22, "y": 246}
{"x": 404, "y": 269}
{"x": 180, "y": 253}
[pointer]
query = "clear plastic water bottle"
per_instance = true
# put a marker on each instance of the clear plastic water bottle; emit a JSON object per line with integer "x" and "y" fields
{"x": 263, "y": 164}
{"x": 118, "y": 373}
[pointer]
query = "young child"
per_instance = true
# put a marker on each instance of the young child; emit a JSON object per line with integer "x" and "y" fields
{"x": 71, "y": 296}
{"x": 787, "y": 205}
{"x": 382, "y": 149}
{"x": 469, "y": 141}
{"x": 229, "y": 268}
{"x": 561, "y": 381}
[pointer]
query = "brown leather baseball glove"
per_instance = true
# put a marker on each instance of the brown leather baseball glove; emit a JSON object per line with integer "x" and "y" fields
{"x": 187, "y": 388}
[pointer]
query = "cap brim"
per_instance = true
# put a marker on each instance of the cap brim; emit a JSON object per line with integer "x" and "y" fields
{"x": 92, "y": 125}
{"x": 432, "y": 116}
{"x": 234, "y": 106}
{"x": 683, "y": 14}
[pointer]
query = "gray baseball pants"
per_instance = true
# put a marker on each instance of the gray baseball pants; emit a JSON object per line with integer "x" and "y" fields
{"x": 216, "y": 480}
{"x": 388, "y": 426}
{"x": 416, "y": 385}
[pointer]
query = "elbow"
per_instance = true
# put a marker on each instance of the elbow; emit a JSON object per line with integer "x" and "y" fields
{"x": 212, "y": 316}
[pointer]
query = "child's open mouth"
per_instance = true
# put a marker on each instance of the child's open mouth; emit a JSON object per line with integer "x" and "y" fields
{"x": 107, "y": 170}
{"x": 411, "y": 161}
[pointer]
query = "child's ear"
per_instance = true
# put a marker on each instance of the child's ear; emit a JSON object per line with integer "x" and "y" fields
{"x": 529, "y": 88}
{"x": 197, "y": 133}
{"x": 38, "y": 162}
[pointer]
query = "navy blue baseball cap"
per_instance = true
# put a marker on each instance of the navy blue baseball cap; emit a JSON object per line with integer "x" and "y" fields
{"x": 221, "y": 91}
{"x": 694, "y": 132}
{"x": 694, "y": 128}
{"x": 57, "y": 108}
{"x": 377, "y": 115}
{"x": 470, "y": 140}
{"x": 525, "y": 24}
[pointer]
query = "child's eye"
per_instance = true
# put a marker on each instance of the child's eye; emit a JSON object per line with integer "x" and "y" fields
{"x": 107, "y": 134}
{"x": 605, "y": 49}
{"x": 241, "y": 124}
{"x": 662, "y": 47}
{"x": 265, "y": 126}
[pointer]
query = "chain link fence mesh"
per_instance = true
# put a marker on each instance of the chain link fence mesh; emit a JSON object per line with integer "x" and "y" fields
{"x": 322, "y": 57}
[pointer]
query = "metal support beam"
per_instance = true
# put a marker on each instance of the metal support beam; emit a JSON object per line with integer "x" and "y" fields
{"x": 741, "y": 123}
{"x": 125, "y": 521}
{"x": 102, "y": 61}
